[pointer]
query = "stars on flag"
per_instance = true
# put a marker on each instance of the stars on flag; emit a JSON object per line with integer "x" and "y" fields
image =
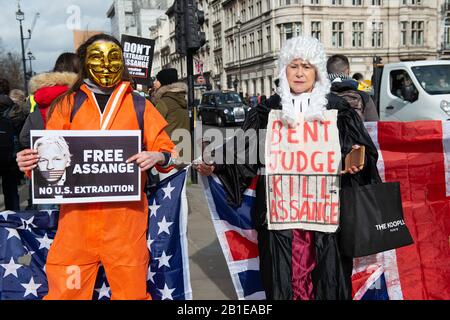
{"x": 153, "y": 208}
{"x": 45, "y": 242}
{"x": 164, "y": 226}
{"x": 166, "y": 292}
{"x": 27, "y": 224}
{"x": 31, "y": 288}
{"x": 163, "y": 260}
{"x": 168, "y": 191}
{"x": 104, "y": 291}
{"x": 12, "y": 233}
{"x": 5, "y": 214}
{"x": 10, "y": 268}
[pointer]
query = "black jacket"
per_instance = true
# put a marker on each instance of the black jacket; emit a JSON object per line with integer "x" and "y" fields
{"x": 331, "y": 276}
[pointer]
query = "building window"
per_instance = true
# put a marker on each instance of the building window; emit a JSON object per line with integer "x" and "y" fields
{"x": 290, "y": 30}
{"x": 447, "y": 34}
{"x": 260, "y": 44}
{"x": 358, "y": 35}
{"x": 417, "y": 32}
{"x": 316, "y": 29}
{"x": 269, "y": 38}
{"x": 338, "y": 34}
{"x": 403, "y": 33}
{"x": 336, "y": 2}
{"x": 377, "y": 34}
{"x": 357, "y": 3}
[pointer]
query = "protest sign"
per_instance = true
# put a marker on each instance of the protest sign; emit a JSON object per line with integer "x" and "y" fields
{"x": 303, "y": 165}
{"x": 138, "y": 56}
{"x": 82, "y": 166}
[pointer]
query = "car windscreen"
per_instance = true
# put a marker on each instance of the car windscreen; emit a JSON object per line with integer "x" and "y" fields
{"x": 434, "y": 79}
{"x": 228, "y": 97}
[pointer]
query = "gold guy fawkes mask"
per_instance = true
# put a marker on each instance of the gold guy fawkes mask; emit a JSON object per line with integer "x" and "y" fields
{"x": 104, "y": 63}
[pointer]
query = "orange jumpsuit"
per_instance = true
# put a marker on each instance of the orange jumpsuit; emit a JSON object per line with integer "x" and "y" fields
{"x": 113, "y": 233}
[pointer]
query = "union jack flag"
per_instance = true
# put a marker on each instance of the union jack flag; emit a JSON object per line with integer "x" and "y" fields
{"x": 237, "y": 237}
{"x": 26, "y": 237}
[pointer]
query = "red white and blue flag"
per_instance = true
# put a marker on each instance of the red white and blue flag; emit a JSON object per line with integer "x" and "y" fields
{"x": 417, "y": 154}
{"x": 26, "y": 237}
{"x": 237, "y": 237}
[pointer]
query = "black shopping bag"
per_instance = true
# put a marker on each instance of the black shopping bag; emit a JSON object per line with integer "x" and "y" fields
{"x": 372, "y": 219}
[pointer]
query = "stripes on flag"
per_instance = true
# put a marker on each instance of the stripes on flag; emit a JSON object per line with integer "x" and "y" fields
{"x": 237, "y": 237}
{"x": 417, "y": 155}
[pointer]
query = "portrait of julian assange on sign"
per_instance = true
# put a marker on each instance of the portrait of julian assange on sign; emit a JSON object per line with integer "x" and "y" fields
{"x": 303, "y": 173}
{"x": 82, "y": 166}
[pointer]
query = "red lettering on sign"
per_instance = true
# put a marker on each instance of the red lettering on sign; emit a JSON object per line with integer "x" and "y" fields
{"x": 334, "y": 212}
{"x": 281, "y": 208}
{"x": 314, "y": 165}
{"x": 325, "y": 128}
{"x": 313, "y": 133}
{"x": 273, "y": 165}
{"x": 283, "y": 161}
{"x": 330, "y": 161}
{"x": 302, "y": 161}
{"x": 323, "y": 189}
{"x": 305, "y": 188}
{"x": 276, "y": 132}
{"x": 292, "y": 179}
{"x": 319, "y": 211}
{"x": 295, "y": 212}
{"x": 304, "y": 211}
{"x": 291, "y": 132}
{"x": 275, "y": 182}
{"x": 273, "y": 212}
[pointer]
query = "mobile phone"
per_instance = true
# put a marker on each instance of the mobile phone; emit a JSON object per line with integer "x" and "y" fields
{"x": 355, "y": 158}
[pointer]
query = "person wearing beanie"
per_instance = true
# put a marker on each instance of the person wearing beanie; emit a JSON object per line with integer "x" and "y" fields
{"x": 297, "y": 264}
{"x": 171, "y": 101}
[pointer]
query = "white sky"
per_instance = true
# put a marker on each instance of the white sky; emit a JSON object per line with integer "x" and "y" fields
{"x": 52, "y": 34}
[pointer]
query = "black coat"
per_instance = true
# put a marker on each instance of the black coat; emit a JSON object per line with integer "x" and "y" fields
{"x": 331, "y": 276}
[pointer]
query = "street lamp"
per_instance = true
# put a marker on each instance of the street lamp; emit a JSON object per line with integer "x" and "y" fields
{"x": 238, "y": 25}
{"x": 30, "y": 58}
{"x": 20, "y": 16}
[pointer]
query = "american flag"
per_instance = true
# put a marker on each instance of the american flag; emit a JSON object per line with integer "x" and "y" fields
{"x": 26, "y": 237}
{"x": 237, "y": 237}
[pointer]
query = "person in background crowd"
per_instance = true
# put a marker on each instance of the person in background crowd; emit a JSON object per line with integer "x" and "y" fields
{"x": 19, "y": 98}
{"x": 358, "y": 77}
{"x": 338, "y": 68}
{"x": 172, "y": 105}
{"x": 91, "y": 234}
{"x": 294, "y": 263}
{"x": 171, "y": 101}
{"x": 44, "y": 89}
{"x": 12, "y": 118}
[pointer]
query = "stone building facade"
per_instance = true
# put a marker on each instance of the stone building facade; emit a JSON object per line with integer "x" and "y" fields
{"x": 244, "y": 36}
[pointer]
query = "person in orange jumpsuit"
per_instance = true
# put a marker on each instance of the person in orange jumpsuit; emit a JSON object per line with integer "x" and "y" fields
{"x": 112, "y": 233}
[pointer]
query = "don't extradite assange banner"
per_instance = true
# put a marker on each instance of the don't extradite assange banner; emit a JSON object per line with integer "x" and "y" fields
{"x": 303, "y": 173}
{"x": 138, "y": 56}
{"x": 85, "y": 166}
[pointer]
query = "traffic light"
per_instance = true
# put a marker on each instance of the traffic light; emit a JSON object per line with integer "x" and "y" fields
{"x": 180, "y": 29}
{"x": 194, "y": 19}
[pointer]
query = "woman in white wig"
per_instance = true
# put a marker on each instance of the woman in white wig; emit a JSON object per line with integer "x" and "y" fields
{"x": 298, "y": 264}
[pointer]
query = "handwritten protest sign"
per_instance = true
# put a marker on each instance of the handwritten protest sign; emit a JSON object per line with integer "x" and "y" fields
{"x": 85, "y": 166}
{"x": 303, "y": 165}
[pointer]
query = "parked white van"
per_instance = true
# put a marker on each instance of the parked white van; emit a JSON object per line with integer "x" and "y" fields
{"x": 415, "y": 90}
